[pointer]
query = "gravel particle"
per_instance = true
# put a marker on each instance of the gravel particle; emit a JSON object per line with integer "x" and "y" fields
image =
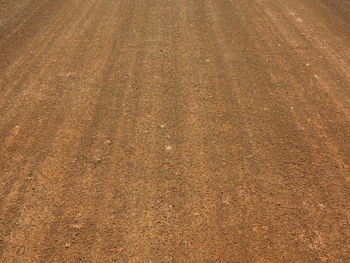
{"x": 168, "y": 148}
{"x": 77, "y": 226}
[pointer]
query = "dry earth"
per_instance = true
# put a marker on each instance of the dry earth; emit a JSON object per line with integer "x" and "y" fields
{"x": 175, "y": 131}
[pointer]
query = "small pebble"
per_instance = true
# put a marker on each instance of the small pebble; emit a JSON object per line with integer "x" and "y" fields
{"x": 77, "y": 226}
{"x": 107, "y": 142}
{"x": 168, "y": 148}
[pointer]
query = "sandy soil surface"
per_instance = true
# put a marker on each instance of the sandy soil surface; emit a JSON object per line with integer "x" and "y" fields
{"x": 174, "y": 131}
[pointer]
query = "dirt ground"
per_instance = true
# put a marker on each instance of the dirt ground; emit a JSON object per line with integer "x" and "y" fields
{"x": 174, "y": 131}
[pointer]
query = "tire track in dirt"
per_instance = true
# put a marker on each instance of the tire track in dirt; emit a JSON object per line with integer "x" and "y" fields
{"x": 19, "y": 89}
{"x": 316, "y": 171}
{"x": 37, "y": 117}
{"x": 29, "y": 24}
{"x": 68, "y": 123}
{"x": 101, "y": 184}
